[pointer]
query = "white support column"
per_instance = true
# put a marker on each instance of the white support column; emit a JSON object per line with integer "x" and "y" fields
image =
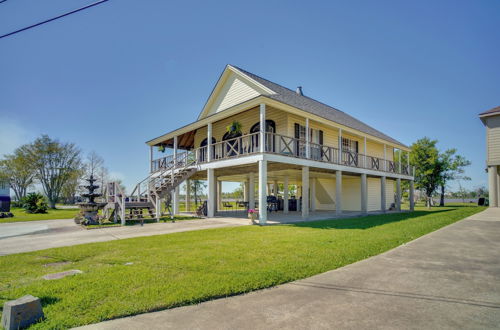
{"x": 385, "y": 157}
{"x": 219, "y": 196}
{"x": 305, "y": 191}
{"x": 188, "y": 195}
{"x": 400, "y": 161}
{"x": 383, "y": 200}
{"x": 313, "y": 194}
{"x": 412, "y": 196}
{"x": 122, "y": 215}
{"x": 308, "y": 140}
{"x": 493, "y": 185}
{"x": 340, "y": 146}
{"x": 211, "y": 193}
{"x": 157, "y": 208}
{"x": 251, "y": 190}
{"x": 364, "y": 194}
{"x": 262, "y": 134}
{"x": 398, "y": 194}
{"x": 338, "y": 192}
{"x": 176, "y": 200}
{"x": 151, "y": 159}
{"x": 275, "y": 188}
{"x": 262, "y": 192}
{"x": 285, "y": 195}
{"x": 245, "y": 191}
{"x": 209, "y": 142}
{"x": 364, "y": 153}
{"x": 175, "y": 150}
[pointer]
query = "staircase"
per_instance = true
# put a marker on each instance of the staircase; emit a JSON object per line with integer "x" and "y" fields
{"x": 145, "y": 199}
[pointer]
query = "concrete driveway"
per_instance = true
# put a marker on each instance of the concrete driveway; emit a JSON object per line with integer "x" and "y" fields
{"x": 28, "y": 236}
{"x": 448, "y": 279}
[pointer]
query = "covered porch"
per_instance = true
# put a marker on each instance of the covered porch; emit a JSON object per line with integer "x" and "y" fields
{"x": 292, "y": 193}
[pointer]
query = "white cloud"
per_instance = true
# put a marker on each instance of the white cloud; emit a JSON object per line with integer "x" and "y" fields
{"x": 12, "y": 135}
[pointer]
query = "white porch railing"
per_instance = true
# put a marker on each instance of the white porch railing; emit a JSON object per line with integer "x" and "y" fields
{"x": 282, "y": 145}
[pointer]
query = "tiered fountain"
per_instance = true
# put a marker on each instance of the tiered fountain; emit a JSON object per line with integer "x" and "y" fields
{"x": 91, "y": 208}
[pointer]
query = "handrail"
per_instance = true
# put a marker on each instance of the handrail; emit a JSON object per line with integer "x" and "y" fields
{"x": 282, "y": 145}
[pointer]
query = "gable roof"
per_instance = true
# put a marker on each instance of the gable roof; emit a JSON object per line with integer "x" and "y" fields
{"x": 495, "y": 110}
{"x": 290, "y": 97}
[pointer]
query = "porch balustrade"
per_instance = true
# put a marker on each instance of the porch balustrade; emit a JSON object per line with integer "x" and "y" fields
{"x": 282, "y": 145}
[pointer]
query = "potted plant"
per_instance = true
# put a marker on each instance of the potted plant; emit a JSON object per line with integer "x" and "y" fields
{"x": 234, "y": 128}
{"x": 161, "y": 148}
{"x": 252, "y": 215}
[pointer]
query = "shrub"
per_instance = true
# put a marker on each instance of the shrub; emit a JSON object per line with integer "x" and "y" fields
{"x": 35, "y": 203}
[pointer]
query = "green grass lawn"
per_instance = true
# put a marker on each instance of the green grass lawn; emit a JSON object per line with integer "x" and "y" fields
{"x": 21, "y": 215}
{"x": 190, "y": 267}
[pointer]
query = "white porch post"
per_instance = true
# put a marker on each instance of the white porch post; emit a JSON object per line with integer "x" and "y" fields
{"x": 209, "y": 142}
{"x": 338, "y": 192}
{"x": 245, "y": 191}
{"x": 157, "y": 208}
{"x": 364, "y": 153}
{"x": 188, "y": 195}
{"x": 313, "y": 194}
{"x": 275, "y": 188}
{"x": 398, "y": 194}
{"x": 493, "y": 185}
{"x": 262, "y": 192}
{"x": 364, "y": 194}
{"x": 211, "y": 193}
{"x": 285, "y": 195}
{"x": 340, "y": 146}
{"x": 305, "y": 191}
{"x": 175, "y": 150}
{"x": 151, "y": 159}
{"x": 385, "y": 157}
{"x": 251, "y": 190}
{"x": 176, "y": 200}
{"x": 400, "y": 161}
{"x": 383, "y": 200}
{"x": 262, "y": 134}
{"x": 219, "y": 195}
{"x": 308, "y": 140}
{"x": 412, "y": 196}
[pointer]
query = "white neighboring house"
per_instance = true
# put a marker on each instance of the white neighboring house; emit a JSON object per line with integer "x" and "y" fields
{"x": 491, "y": 119}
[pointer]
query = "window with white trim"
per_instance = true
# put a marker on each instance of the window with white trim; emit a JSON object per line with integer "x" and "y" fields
{"x": 350, "y": 145}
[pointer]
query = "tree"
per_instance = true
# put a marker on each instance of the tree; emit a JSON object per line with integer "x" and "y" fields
{"x": 196, "y": 187}
{"x": 452, "y": 167}
{"x": 72, "y": 186}
{"x": 95, "y": 167}
{"x": 54, "y": 164}
{"x": 17, "y": 170}
{"x": 428, "y": 168}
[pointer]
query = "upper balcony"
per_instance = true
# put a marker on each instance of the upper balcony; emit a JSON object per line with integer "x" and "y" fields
{"x": 249, "y": 144}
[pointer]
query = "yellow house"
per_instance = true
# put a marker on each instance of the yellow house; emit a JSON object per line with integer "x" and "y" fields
{"x": 254, "y": 131}
{"x": 491, "y": 119}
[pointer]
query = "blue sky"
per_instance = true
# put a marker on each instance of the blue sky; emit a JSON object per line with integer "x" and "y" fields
{"x": 116, "y": 75}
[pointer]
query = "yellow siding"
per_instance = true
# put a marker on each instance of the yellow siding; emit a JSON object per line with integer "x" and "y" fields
{"x": 247, "y": 119}
{"x": 325, "y": 194}
{"x": 493, "y": 140}
{"x": 351, "y": 194}
{"x": 374, "y": 194}
{"x": 285, "y": 125}
{"x": 389, "y": 192}
{"x": 234, "y": 92}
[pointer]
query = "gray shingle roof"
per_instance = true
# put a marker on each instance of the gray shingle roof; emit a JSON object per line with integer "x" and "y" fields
{"x": 310, "y": 105}
{"x": 491, "y": 111}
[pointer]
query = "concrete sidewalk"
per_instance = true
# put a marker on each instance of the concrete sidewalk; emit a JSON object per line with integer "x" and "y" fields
{"x": 447, "y": 279}
{"x": 16, "y": 237}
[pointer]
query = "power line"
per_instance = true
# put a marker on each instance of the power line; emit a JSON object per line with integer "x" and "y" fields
{"x": 51, "y": 19}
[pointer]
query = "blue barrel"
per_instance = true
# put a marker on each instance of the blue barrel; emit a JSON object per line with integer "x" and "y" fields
{"x": 4, "y": 203}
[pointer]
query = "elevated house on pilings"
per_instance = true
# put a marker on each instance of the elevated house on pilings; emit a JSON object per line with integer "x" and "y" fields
{"x": 282, "y": 138}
